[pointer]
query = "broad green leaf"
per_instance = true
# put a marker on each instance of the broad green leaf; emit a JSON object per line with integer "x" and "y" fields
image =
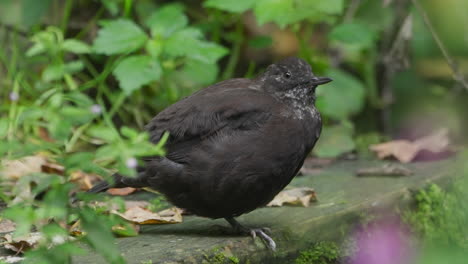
{"x": 208, "y": 52}
{"x": 198, "y": 72}
{"x": 55, "y": 72}
{"x": 103, "y": 132}
{"x": 328, "y": 6}
{"x": 341, "y": 98}
{"x": 76, "y": 115}
{"x": 182, "y": 42}
{"x": 36, "y": 49}
{"x": 166, "y": 20}
{"x": 76, "y": 46}
{"x": 355, "y": 34}
{"x": 154, "y": 47}
{"x": 136, "y": 71}
{"x": 129, "y": 132}
{"x": 187, "y": 42}
{"x": 237, "y": 6}
{"x": 80, "y": 99}
{"x": 334, "y": 141}
{"x": 99, "y": 235}
{"x": 119, "y": 36}
{"x": 279, "y": 11}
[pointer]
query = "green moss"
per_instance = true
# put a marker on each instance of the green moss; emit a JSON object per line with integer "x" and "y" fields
{"x": 440, "y": 217}
{"x": 220, "y": 257}
{"x": 320, "y": 253}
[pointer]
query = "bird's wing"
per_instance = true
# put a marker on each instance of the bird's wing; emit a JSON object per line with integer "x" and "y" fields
{"x": 208, "y": 111}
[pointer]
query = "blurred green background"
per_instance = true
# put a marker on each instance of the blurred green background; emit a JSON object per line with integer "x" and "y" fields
{"x": 79, "y": 79}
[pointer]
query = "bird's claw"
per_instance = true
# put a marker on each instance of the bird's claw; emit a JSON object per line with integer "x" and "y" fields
{"x": 262, "y": 233}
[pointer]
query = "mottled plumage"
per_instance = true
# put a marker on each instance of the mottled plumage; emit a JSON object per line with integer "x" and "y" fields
{"x": 234, "y": 145}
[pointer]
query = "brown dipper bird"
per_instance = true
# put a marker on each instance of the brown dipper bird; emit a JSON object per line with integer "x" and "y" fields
{"x": 233, "y": 145}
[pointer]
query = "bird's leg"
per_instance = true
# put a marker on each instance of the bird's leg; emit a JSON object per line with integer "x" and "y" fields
{"x": 254, "y": 232}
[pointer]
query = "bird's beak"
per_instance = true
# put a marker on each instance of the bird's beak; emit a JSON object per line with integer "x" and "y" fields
{"x": 320, "y": 80}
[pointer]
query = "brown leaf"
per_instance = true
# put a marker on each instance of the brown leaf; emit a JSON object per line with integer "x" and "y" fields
{"x": 7, "y": 226}
{"x": 15, "y": 169}
{"x": 143, "y": 216}
{"x": 405, "y": 150}
{"x": 121, "y": 191}
{"x": 296, "y": 196}
{"x": 22, "y": 243}
{"x": 84, "y": 180}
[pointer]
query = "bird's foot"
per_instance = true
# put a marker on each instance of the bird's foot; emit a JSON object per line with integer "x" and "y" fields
{"x": 263, "y": 233}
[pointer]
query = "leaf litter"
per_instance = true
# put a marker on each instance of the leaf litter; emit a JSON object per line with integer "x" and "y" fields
{"x": 406, "y": 151}
{"x": 296, "y": 196}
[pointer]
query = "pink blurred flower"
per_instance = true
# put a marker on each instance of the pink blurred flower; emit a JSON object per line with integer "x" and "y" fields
{"x": 383, "y": 242}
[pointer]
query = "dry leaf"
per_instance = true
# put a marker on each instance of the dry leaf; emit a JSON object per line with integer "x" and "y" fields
{"x": 15, "y": 169}
{"x": 22, "y": 243}
{"x": 144, "y": 216}
{"x": 296, "y": 196}
{"x": 405, "y": 150}
{"x": 11, "y": 259}
{"x": 84, "y": 180}
{"x": 385, "y": 170}
{"x": 7, "y": 226}
{"x": 121, "y": 191}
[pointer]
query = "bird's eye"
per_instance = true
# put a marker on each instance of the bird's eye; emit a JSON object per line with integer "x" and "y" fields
{"x": 287, "y": 75}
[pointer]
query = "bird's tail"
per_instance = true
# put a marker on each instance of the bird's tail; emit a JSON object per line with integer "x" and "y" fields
{"x": 119, "y": 181}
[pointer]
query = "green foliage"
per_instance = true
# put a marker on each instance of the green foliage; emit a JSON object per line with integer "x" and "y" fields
{"x": 341, "y": 98}
{"x": 136, "y": 71}
{"x": 119, "y": 36}
{"x": 320, "y": 253}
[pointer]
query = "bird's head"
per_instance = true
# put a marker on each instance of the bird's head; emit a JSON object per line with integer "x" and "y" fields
{"x": 291, "y": 77}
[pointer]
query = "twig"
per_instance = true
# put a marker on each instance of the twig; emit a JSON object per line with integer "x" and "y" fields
{"x": 457, "y": 75}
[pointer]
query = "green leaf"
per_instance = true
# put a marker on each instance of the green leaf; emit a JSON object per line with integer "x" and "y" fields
{"x": 182, "y": 42}
{"x": 166, "y": 20}
{"x": 279, "y": 11}
{"x": 198, "y": 72}
{"x": 119, "y": 36}
{"x": 355, "y": 34}
{"x": 76, "y": 46}
{"x": 136, "y": 71}
{"x": 328, "y": 6}
{"x": 103, "y": 132}
{"x": 334, "y": 141}
{"x": 237, "y": 6}
{"x": 99, "y": 235}
{"x": 341, "y": 98}
{"x": 57, "y": 71}
{"x": 36, "y": 49}
{"x": 76, "y": 115}
{"x": 208, "y": 52}
{"x": 187, "y": 42}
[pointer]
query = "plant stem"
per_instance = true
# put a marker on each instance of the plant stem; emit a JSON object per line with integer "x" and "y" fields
{"x": 66, "y": 15}
{"x": 235, "y": 51}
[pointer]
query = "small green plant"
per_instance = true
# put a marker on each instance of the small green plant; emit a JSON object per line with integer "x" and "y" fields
{"x": 220, "y": 257}
{"x": 320, "y": 253}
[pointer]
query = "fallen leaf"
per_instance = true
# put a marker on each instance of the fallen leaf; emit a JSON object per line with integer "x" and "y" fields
{"x": 405, "y": 150}
{"x": 121, "y": 191}
{"x": 84, "y": 180}
{"x": 11, "y": 259}
{"x": 385, "y": 170}
{"x": 296, "y": 196}
{"x": 142, "y": 216}
{"x": 7, "y": 226}
{"x": 22, "y": 243}
{"x": 128, "y": 230}
{"x": 15, "y": 169}
{"x": 52, "y": 168}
